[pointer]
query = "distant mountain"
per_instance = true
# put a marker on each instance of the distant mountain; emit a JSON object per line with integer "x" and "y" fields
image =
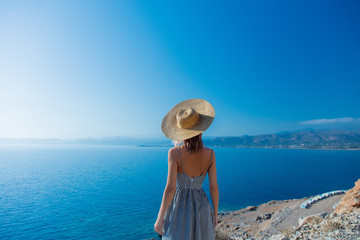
{"x": 308, "y": 138}
{"x": 332, "y": 139}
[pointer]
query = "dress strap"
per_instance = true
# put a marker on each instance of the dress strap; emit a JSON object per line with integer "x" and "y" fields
{"x": 182, "y": 169}
{"x": 209, "y": 163}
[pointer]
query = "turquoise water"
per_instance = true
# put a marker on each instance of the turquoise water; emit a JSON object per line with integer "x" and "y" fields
{"x": 105, "y": 192}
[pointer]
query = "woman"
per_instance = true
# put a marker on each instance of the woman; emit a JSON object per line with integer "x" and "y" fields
{"x": 185, "y": 211}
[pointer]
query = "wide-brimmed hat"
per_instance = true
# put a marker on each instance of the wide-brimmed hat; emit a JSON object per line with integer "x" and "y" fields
{"x": 188, "y": 119}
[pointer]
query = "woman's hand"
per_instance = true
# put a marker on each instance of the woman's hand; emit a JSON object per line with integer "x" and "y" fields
{"x": 158, "y": 226}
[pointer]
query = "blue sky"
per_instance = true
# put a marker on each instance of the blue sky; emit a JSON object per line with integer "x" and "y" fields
{"x": 72, "y": 69}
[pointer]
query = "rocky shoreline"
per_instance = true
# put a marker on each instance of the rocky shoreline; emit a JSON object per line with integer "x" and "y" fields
{"x": 333, "y": 217}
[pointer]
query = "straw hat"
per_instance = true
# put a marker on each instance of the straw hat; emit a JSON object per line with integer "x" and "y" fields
{"x": 188, "y": 119}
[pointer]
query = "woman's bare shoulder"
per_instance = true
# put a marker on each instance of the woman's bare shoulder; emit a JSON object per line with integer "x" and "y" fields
{"x": 172, "y": 150}
{"x": 207, "y": 149}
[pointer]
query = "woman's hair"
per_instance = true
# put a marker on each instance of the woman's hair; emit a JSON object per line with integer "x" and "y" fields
{"x": 192, "y": 145}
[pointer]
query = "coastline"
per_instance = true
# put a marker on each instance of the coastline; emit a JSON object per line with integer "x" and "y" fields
{"x": 302, "y": 148}
{"x": 269, "y": 218}
{"x": 39, "y": 145}
{"x": 293, "y": 148}
{"x": 289, "y": 219}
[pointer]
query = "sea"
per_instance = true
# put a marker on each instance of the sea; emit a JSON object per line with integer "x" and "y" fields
{"x": 114, "y": 192}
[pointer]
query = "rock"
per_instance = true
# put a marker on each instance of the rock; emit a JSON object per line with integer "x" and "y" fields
{"x": 356, "y": 228}
{"x": 251, "y": 208}
{"x": 267, "y": 216}
{"x": 323, "y": 215}
{"x": 312, "y": 219}
{"x": 285, "y": 238}
{"x": 272, "y": 202}
{"x": 350, "y": 201}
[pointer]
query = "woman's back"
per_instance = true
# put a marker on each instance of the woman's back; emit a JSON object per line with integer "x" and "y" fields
{"x": 194, "y": 164}
{"x": 189, "y": 215}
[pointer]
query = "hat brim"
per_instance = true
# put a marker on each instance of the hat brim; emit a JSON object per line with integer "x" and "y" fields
{"x": 169, "y": 124}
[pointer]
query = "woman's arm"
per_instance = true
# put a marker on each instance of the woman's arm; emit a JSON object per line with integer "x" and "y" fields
{"x": 214, "y": 188}
{"x": 169, "y": 190}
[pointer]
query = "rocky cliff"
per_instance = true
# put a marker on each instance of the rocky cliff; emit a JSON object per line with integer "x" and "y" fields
{"x": 351, "y": 201}
{"x": 289, "y": 219}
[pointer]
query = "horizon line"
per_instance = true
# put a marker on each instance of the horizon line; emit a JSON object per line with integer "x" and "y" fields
{"x": 163, "y": 137}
